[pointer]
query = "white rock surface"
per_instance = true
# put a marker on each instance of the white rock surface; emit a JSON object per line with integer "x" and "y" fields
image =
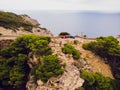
{"x": 70, "y": 80}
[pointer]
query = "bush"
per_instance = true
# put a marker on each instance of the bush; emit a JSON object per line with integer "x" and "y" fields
{"x": 89, "y": 46}
{"x": 12, "y": 21}
{"x": 64, "y": 33}
{"x": 69, "y": 49}
{"x": 84, "y": 58}
{"x": 76, "y": 42}
{"x": 96, "y": 81}
{"x": 109, "y": 49}
{"x": 45, "y": 38}
{"x": 31, "y": 42}
{"x": 76, "y": 54}
{"x": 50, "y": 67}
{"x": 14, "y": 69}
{"x": 6, "y": 52}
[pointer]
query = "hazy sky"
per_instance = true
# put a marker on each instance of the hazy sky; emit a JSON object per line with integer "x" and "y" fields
{"x": 98, "y": 5}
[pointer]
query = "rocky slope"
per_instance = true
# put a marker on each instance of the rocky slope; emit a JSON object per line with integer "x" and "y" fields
{"x": 37, "y": 29}
{"x": 71, "y": 80}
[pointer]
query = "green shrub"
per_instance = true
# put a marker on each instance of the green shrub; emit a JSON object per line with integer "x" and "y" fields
{"x": 89, "y": 46}
{"x": 14, "y": 69}
{"x": 6, "y": 52}
{"x": 84, "y": 36}
{"x": 64, "y": 33}
{"x": 76, "y": 42}
{"x": 69, "y": 49}
{"x": 84, "y": 58}
{"x": 109, "y": 49}
{"x": 45, "y": 38}
{"x": 96, "y": 81}
{"x": 76, "y": 54}
{"x": 12, "y": 21}
{"x": 31, "y": 42}
{"x": 50, "y": 67}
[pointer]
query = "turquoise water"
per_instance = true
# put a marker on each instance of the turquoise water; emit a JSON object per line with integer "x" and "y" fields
{"x": 92, "y": 24}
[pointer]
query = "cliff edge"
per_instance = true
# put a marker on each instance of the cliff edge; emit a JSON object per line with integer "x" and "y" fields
{"x": 13, "y": 25}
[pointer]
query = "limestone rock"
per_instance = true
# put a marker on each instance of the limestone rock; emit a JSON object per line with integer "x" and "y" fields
{"x": 70, "y": 79}
{"x": 33, "y": 21}
{"x": 31, "y": 84}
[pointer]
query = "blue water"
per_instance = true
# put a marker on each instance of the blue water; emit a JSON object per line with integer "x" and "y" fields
{"x": 92, "y": 24}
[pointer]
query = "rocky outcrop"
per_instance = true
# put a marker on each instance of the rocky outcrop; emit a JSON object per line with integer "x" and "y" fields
{"x": 70, "y": 80}
{"x": 31, "y": 20}
{"x": 37, "y": 29}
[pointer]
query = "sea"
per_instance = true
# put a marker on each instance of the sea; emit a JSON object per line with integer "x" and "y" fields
{"x": 89, "y": 23}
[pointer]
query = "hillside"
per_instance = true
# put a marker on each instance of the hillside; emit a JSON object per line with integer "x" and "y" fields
{"x": 71, "y": 80}
{"x": 97, "y": 64}
{"x": 13, "y": 25}
{"x": 13, "y": 21}
{"x": 35, "y": 60}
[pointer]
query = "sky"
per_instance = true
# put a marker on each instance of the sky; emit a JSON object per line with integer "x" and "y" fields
{"x": 91, "y": 5}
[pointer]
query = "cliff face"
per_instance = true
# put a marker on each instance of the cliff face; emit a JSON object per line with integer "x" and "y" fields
{"x": 70, "y": 80}
{"x": 37, "y": 29}
{"x": 31, "y": 20}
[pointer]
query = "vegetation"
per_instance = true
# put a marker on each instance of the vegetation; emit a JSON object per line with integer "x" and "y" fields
{"x": 76, "y": 42}
{"x": 84, "y": 36}
{"x": 69, "y": 49}
{"x": 64, "y": 33}
{"x": 96, "y": 81}
{"x": 109, "y": 49}
{"x": 13, "y": 72}
{"x": 12, "y": 21}
{"x": 14, "y": 69}
{"x": 104, "y": 47}
{"x": 84, "y": 58}
{"x": 50, "y": 67}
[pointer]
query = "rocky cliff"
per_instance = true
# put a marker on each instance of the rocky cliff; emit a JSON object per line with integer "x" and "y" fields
{"x": 70, "y": 80}
{"x": 8, "y": 27}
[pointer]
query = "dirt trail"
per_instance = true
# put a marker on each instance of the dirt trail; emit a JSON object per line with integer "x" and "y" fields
{"x": 97, "y": 64}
